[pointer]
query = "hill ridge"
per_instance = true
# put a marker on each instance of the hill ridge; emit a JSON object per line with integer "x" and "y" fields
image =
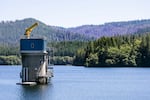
{"x": 12, "y": 31}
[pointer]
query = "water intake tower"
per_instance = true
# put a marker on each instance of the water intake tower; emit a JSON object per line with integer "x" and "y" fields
{"x": 34, "y": 56}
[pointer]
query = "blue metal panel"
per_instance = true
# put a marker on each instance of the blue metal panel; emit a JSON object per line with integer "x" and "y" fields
{"x": 32, "y": 45}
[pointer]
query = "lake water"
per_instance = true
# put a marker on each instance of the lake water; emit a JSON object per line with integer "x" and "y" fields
{"x": 79, "y": 83}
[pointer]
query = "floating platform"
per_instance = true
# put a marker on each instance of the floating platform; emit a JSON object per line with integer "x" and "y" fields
{"x": 27, "y": 83}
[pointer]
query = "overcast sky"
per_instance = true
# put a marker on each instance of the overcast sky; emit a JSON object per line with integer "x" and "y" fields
{"x": 71, "y": 13}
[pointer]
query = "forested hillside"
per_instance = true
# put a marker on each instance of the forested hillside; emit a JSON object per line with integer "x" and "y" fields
{"x": 114, "y": 28}
{"x": 111, "y": 44}
{"x": 11, "y": 32}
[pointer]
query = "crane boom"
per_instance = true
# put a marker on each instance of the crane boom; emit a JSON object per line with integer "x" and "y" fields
{"x": 29, "y": 30}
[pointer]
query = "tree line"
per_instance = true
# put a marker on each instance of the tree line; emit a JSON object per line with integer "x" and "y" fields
{"x": 61, "y": 53}
{"x": 118, "y": 51}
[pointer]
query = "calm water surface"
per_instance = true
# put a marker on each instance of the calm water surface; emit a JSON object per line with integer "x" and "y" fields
{"x": 79, "y": 83}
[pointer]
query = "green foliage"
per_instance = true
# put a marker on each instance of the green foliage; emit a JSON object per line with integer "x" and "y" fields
{"x": 79, "y": 57}
{"x": 61, "y": 60}
{"x": 68, "y": 45}
{"x": 144, "y": 50}
{"x": 66, "y": 48}
{"x": 131, "y": 50}
{"x": 10, "y": 60}
{"x": 121, "y": 56}
{"x": 60, "y": 52}
{"x": 9, "y": 50}
{"x": 92, "y": 60}
{"x": 64, "y": 52}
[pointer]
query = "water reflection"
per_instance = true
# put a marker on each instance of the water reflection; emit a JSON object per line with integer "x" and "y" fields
{"x": 38, "y": 92}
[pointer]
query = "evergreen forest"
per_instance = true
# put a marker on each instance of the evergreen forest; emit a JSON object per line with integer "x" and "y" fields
{"x": 118, "y": 44}
{"x": 118, "y": 51}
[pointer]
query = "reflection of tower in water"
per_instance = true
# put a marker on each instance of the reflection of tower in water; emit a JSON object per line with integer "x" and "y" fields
{"x": 38, "y": 92}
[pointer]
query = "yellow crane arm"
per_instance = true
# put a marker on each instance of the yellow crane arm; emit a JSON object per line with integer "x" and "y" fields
{"x": 29, "y": 30}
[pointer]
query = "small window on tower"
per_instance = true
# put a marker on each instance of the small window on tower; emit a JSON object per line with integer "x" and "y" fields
{"x": 32, "y": 45}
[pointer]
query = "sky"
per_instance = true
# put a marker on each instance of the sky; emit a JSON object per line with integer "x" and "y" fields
{"x": 72, "y": 13}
